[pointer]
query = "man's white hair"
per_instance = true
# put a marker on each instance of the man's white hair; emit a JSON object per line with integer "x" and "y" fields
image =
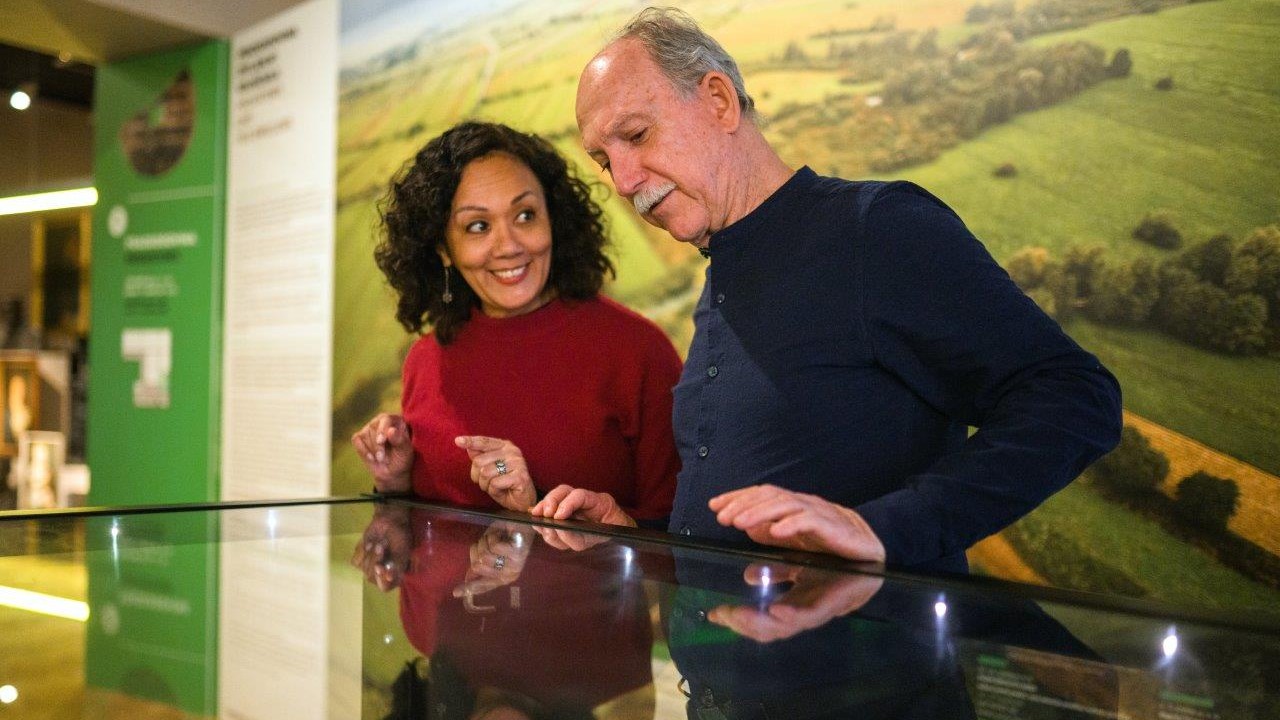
{"x": 684, "y": 53}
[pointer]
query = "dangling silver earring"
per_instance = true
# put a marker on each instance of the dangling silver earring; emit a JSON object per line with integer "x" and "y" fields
{"x": 446, "y": 296}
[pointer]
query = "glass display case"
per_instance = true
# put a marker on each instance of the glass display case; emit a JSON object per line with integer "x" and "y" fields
{"x": 375, "y": 608}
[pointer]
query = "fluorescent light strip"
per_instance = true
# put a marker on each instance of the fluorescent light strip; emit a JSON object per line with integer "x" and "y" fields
{"x": 79, "y": 197}
{"x": 43, "y": 604}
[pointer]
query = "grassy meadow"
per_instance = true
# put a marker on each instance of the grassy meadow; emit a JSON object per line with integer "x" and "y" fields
{"x": 1205, "y": 150}
{"x": 1089, "y": 168}
{"x": 1136, "y": 556}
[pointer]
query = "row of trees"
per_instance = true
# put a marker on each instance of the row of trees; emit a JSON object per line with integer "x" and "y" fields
{"x": 1220, "y": 294}
{"x": 1135, "y": 471}
{"x": 931, "y": 101}
{"x": 1046, "y": 16}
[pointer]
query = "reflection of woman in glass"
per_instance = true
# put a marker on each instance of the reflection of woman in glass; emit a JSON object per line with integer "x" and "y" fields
{"x": 511, "y": 627}
{"x": 529, "y": 379}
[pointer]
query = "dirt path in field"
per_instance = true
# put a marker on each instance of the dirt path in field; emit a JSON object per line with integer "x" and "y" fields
{"x": 1258, "y": 516}
{"x": 998, "y": 559}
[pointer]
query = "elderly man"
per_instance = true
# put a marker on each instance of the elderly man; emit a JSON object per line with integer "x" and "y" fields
{"x": 848, "y": 335}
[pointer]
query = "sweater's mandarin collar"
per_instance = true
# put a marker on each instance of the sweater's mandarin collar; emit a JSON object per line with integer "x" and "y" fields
{"x": 795, "y": 185}
{"x": 551, "y": 312}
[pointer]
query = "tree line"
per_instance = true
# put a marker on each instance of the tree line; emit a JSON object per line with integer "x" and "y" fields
{"x": 1220, "y": 294}
{"x": 1201, "y": 506}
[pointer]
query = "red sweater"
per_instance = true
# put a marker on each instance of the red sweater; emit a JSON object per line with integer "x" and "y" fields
{"x": 582, "y": 388}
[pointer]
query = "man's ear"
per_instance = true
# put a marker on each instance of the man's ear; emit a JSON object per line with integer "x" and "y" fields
{"x": 717, "y": 90}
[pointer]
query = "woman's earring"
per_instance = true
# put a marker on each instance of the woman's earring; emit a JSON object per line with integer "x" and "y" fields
{"x": 447, "y": 295}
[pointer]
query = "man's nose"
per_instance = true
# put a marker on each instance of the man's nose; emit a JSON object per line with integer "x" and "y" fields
{"x": 627, "y": 175}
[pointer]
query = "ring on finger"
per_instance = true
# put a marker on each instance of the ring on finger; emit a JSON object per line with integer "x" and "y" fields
{"x": 501, "y": 465}
{"x": 499, "y": 562}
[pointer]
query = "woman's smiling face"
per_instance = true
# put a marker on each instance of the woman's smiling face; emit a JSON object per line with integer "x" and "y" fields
{"x": 499, "y": 235}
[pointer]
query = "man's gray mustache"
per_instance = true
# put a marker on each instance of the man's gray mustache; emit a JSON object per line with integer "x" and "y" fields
{"x": 648, "y": 197}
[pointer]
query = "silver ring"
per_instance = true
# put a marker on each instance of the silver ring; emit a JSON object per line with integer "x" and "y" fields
{"x": 502, "y": 466}
{"x": 499, "y": 562}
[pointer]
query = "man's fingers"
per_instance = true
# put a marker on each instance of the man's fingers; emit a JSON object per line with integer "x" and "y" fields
{"x": 749, "y": 622}
{"x": 722, "y": 500}
{"x": 755, "y": 508}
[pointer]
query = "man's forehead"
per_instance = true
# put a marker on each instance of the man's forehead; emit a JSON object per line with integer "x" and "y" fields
{"x": 615, "y": 88}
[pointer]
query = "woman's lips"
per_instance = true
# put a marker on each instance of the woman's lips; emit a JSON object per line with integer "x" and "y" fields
{"x": 511, "y": 276}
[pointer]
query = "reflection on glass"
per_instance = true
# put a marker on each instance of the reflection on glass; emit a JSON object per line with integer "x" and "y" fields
{"x": 512, "y": 625}
{"x": 247, "y": 613}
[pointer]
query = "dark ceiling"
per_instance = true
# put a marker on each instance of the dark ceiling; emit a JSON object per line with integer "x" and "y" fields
{"x": 70, "y": 83}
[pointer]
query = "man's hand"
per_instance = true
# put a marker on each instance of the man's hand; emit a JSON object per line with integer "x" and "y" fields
{"x": 566, "y": 503}
{"x": 773, "y": 516}
{"x": 386, "y": 448}
{"x": 499, "y": 468}
{"x": 816, "y": 597}
{"x": 382, "y": 554}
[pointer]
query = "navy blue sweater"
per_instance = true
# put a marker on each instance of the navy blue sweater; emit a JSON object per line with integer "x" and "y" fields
{"x": 848, "y": 335}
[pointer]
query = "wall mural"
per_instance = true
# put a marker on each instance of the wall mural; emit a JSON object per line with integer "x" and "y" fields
{"x": 1119, "y": 157}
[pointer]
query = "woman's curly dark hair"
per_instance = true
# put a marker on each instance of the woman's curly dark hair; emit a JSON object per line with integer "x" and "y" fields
{"x": 416, "y": 209}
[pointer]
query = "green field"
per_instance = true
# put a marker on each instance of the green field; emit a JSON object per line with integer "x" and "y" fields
{"x": 1165, "y": 568}
{"x": 1090, "y": 167}
{"x": 1231, "y": 404}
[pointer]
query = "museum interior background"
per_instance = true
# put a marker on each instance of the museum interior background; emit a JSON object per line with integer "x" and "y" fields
{"x": 1118, "y": 157}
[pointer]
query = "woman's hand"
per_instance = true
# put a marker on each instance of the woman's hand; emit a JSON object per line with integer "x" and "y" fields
{"x": 570, "y": 503}
{"x": 498, "y": 467}
{"x": 383, "y": 552}
{"x": 386, "y": 447}
{"x": 497, "y": 559}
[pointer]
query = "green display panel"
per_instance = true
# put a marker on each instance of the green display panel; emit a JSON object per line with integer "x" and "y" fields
{"x": 160, "y": 170}
{"x": 154, "y": 356}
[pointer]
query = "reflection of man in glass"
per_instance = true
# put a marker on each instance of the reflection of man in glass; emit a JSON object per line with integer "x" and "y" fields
{"x": 816, "y": 645}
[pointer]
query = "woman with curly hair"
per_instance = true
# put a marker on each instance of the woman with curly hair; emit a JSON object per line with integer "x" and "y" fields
{"x": 529, "y": 378}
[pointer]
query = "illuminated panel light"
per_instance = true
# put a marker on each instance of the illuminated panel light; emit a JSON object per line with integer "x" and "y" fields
{"x": 43, "y": 604}
{"x": 57, "y": 200}
{"x": 19, "y": 100}
{"x": 8, "y": 694}
{"x": 940, "y": 609}
{"x": 1170, "y": 644}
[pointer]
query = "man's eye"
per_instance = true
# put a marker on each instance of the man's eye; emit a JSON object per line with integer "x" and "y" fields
{"x": 639, "y": 136}
{"x": 478, "y": 226}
